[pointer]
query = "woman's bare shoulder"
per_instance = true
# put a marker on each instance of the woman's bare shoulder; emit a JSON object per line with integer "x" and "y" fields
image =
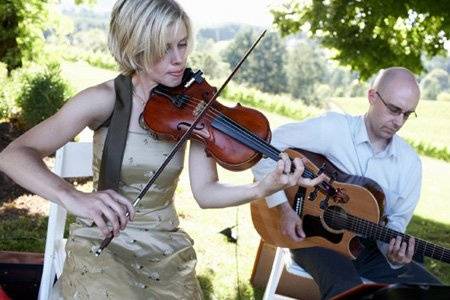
{"x": 97, "y": 102}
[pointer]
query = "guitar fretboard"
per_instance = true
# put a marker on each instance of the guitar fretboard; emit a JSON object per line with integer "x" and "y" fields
{"x": 381, "y": 233}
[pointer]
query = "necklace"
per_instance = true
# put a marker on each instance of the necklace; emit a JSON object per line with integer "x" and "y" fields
{"x": 138, "y": 97}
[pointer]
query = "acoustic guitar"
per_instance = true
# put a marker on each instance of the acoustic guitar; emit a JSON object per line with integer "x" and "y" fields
{"x": 335, "y": 213}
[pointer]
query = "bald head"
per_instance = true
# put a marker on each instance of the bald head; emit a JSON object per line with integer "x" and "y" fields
{"x": 393, "y": 96}
{"x": 391, "y": 79}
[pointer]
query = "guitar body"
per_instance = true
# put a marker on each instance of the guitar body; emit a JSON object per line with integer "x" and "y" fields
{"x": 365, "y": 200}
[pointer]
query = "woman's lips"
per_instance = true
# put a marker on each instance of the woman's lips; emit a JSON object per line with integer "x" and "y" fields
{"x": 176, "y": 73}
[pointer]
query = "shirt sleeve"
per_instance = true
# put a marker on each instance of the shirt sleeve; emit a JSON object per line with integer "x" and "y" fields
{"x": 310, "y": 135}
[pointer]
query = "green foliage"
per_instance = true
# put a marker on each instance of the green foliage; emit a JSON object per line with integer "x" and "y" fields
{"x": 22, "y": 23}
{"x": 434, "y": 82}
{"x": 97, "y": 59}
{"x": 357, "y": 88}
{"x": 370, "y": 35}
{"x": 10, "y": 18}
{"x": 305, "y": 70}
{"x": 92, "y": 39}
{"x": 264, "y": 68}
{"x": 20, "y": 231}
{"x": 42, "y": 93}
{"x": 4, "y": 105}
{"x": 280, "y": 104}
{"x": 430, "y": 151}
{"x": 209, "y": 63}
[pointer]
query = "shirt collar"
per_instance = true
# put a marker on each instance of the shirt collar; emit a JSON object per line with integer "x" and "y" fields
{"x": 361, "y": 137}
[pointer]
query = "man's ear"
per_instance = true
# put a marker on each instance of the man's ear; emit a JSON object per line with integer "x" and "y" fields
{"x": 371, "y": 95}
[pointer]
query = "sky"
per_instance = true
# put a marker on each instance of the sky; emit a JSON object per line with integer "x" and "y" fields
{"x": 254, "y": 12}
{"x": 212, "y": 12}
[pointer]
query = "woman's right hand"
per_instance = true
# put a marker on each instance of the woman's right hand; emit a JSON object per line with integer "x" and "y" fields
{"x": 102, "y": 207}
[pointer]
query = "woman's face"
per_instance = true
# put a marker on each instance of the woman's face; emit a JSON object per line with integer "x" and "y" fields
{"x": 169, "y": 70}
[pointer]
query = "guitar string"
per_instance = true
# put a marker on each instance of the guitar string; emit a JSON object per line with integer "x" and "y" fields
{"x": 366, "y": 226}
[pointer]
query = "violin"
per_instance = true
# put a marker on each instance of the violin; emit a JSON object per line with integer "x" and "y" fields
{"x": 230, "y": 134}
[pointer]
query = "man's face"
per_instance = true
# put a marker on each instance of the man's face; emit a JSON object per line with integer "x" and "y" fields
{"x": 390, "y": 108}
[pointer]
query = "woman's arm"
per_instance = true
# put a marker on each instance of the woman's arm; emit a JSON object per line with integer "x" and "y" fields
{"x": 22, "y": 159}
{"x": 210, "y": 193}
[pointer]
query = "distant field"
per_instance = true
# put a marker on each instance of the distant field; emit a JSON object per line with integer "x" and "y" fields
{"x": 81, "y": 75}
{"x": 432, "y": 125}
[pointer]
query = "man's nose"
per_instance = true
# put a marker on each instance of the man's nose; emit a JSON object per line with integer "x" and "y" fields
{"x": 400, "y": 119}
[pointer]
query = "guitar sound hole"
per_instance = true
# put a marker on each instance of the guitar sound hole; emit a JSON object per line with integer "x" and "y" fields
{"x": 336, "y": 218}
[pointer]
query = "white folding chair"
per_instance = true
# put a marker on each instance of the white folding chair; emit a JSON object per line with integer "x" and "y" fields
{"x": 73, "y": 160}
{"x": 282, "y": 259}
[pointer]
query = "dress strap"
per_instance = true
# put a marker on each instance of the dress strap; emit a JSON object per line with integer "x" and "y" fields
{"x": 116, "y": 137}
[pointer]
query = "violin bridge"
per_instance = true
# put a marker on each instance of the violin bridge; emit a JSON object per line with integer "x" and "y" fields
{"x": 199, "y": 108}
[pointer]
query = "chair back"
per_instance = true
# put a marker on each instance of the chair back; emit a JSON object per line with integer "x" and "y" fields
{"x": 74, "y": 160}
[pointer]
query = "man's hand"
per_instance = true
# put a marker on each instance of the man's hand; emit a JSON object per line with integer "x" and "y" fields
{"x": 400, "y": 252}
{"x": 291, "y": 224}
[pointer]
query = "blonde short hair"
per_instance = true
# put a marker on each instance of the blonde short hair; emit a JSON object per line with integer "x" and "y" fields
{"x": 140, "y": 30}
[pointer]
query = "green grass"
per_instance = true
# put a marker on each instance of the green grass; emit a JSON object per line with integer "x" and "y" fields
{"x": 81, "y": 75}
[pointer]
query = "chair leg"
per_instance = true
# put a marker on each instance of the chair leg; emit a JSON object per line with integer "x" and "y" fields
{"x": 275, "y": 274}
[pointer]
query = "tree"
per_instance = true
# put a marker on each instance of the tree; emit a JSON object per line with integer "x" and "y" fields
{"x": 372, "y": 34}
{"x": 306, "y": 70}
{"x": 434, "y": 83}
{"x": 22, "y": 23}
{"x": 21, "y": 26}
{"x": 264, "y": 68}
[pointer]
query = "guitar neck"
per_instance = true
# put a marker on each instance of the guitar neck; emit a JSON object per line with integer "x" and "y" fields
{"x": 381, "y": 233}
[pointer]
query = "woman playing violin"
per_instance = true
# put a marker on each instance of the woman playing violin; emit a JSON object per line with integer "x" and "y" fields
{"x": 152, "y": 257}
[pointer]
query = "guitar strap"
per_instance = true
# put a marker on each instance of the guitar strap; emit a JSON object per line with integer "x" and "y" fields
{"x": 116, "y": 137}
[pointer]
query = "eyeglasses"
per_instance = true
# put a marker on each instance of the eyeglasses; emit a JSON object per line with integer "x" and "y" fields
{"x": 395, "y": 110}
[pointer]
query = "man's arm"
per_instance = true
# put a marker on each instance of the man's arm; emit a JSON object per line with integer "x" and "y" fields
{"x": 310, "y": 135}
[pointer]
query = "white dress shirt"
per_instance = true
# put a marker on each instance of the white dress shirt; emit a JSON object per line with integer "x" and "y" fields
{"x": 343, "y": 140}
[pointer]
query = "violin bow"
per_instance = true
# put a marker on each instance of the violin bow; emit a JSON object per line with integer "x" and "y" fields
{"x": 183, "y": 139}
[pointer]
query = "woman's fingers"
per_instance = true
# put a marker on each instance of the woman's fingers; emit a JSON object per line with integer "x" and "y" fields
{"x": 123, "y": 201}
{"x": 101, "y": 224}
{"x": 111, "y": 217}
{"x": 295, "y": 178}
{"x": 120, "y": 212}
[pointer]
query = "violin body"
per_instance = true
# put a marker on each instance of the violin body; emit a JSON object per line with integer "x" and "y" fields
{"x": 171, "y": 111}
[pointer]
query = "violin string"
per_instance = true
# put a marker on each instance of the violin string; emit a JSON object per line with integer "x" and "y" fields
{"x": 249, "y": 136}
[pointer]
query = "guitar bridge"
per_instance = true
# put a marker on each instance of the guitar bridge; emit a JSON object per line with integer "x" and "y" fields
{"x": 299, "y": 200}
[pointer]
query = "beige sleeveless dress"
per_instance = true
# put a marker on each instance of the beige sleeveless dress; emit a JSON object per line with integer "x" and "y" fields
{"x": 152, "y": 258}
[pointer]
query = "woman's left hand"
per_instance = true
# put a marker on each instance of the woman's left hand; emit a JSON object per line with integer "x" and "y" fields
{"x": 282, "y": 177}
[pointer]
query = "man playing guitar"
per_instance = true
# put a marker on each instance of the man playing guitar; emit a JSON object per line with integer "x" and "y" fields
{"x": 365, "y": 146}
